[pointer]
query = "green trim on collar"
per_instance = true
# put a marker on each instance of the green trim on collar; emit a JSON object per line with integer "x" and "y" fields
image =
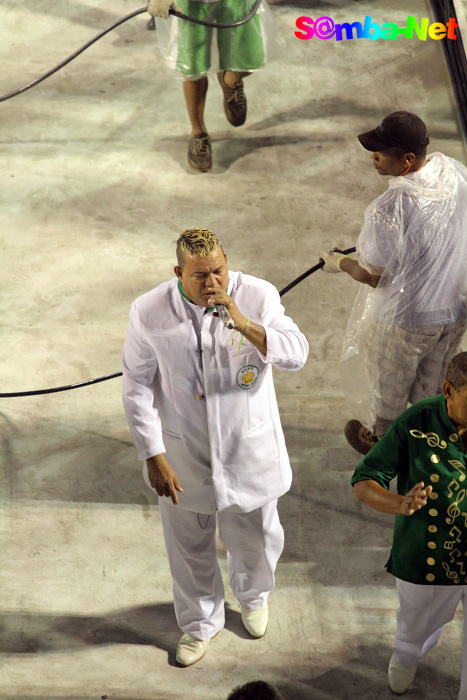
{"x": 180, "y": 289}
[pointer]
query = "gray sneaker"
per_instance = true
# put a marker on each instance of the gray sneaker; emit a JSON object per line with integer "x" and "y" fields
{"x": 234, "y": 101}
{"x": 199, "y": 153}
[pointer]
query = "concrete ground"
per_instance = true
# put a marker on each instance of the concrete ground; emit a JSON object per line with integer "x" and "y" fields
{"x": 94, "y": 191}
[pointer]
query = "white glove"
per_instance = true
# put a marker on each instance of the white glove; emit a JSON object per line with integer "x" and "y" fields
{"x": 332, "y": 260}
{"x": 160, "y": 8}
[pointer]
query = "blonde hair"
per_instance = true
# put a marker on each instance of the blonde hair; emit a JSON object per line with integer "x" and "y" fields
{"x": 197, "y": 242}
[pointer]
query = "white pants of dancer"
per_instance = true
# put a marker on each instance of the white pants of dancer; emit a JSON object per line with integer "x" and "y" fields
{"x": 254, "y": 543}
{"x": 423, "y": 612}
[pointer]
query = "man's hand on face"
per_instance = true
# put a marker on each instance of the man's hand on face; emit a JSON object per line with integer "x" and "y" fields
{"x": 163, "y": 478}
{"x": 218, "y": 296}
{"x": 415, "y": 499}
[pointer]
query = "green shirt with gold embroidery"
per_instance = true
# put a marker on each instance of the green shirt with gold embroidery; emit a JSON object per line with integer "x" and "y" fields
{"x": 422, "y": 444}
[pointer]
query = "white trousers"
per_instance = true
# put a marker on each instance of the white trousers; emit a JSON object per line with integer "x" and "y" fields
{"x": 423, "y": 612}
{"x": 254, "y": 543}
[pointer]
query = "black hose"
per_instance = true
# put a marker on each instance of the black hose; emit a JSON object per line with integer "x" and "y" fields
{"x": 120, "y": 21}
{"x": 309, "y": 272}
{"x": 60, "y": 388}
{"x": 455, "y": 55}
{"x": 119, "y": 374}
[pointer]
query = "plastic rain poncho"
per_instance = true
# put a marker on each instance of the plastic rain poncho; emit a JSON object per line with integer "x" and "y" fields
{"x": 177, "y": 37}
{"x": 414, "y": 236}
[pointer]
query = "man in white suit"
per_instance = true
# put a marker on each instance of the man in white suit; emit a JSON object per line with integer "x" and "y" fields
{"x": 202, "y": 410}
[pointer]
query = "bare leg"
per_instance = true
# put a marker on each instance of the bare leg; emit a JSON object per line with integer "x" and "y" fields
{"x": 231, "y": 79}
{"x": 195, "y": 97}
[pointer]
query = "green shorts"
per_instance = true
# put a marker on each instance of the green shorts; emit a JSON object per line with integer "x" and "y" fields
{"x": 240, "y": 48}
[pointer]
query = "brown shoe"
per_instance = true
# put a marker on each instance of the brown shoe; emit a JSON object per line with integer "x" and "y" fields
{"x": 234, "y": 101}
{"x": 359, "y": 437}
{"x": 199, "y": 153}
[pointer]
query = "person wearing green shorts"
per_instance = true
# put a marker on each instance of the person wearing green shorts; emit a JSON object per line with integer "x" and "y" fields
{"x": 241, "y": 51}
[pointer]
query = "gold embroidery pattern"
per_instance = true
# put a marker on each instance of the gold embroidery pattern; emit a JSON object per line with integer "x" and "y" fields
{"x": 459, "y": 466}
{"x": 453, "y": 485}
{"x": 432, "y": 439}
{"x": 451, "y": 574}
{"x": 456, "y": 565}
{"x": 453, "y": 510}
{"x": 456, "y": 533}
{"x": 455, "y": 555}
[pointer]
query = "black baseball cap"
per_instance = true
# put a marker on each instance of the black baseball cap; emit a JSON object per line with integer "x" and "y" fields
{"x": 402, "y": 129}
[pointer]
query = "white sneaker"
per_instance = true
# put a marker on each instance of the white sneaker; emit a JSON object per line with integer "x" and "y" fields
{"x": 255, "y": 621}
{"x": 400, "y": 677}
{"x": 190, "y": 650}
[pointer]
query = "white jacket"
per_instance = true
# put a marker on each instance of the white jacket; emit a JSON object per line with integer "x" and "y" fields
{"x": 213, "y": 411}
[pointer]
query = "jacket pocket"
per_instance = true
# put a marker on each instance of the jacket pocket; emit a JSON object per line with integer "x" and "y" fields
{"x": 171, "y": 434}
{"x": 257, "y": 449}
{"x": 259, "y": 427}
{"x": 256, "y": 462}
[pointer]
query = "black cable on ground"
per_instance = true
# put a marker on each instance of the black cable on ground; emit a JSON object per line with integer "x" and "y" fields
{"x": 38, "y": 392}
{"x": 217, "y": 25}
{"x": 454, "y": 53}
{"x": 60, "y": 388}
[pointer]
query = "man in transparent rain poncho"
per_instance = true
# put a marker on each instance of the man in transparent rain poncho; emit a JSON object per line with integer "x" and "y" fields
{"x": 186, "y": 47}
{"x": 410, "y": 314}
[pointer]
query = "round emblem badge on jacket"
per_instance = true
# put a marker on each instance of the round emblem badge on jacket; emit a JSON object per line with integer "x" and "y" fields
{"x": 247, "y": 376}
